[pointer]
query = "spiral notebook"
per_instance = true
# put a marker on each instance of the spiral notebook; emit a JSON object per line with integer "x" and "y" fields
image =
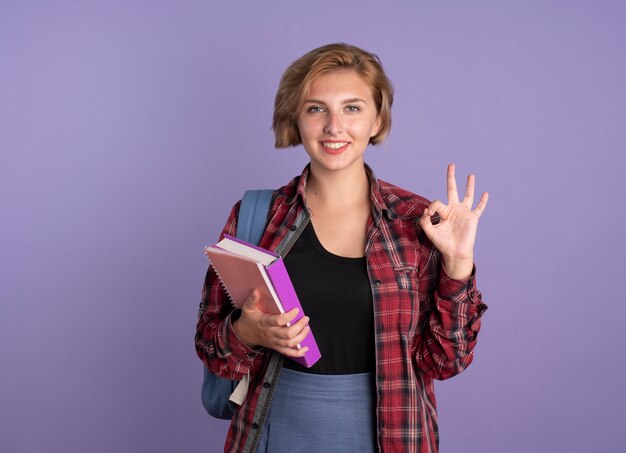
{"x": 242, "y": 267}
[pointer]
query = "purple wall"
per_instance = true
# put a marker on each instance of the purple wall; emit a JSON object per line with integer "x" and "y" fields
{"x": 128, "y": 129}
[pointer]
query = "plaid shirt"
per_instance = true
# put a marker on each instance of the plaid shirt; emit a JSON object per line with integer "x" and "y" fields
{"x": 426, "y": 323}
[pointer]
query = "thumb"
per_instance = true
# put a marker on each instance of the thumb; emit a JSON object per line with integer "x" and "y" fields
{"x": 253, "y": 300}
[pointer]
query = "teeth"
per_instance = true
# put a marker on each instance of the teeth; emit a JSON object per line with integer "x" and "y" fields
{"x": 334, "y": 145}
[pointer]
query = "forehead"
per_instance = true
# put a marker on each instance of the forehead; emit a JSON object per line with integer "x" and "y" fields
{"x": 340, "y": 82}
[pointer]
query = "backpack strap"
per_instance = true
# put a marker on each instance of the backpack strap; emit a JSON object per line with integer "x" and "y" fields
{"x": 252, "y": 218}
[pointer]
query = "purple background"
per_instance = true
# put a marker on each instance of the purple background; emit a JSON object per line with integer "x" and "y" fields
{"x": 128, "y": 130}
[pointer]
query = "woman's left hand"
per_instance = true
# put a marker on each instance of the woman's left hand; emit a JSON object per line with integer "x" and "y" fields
{"x": 455, "y": 234}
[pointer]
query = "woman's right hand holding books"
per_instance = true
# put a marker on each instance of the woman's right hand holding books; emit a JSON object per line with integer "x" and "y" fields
{"x": 256, "y": 328}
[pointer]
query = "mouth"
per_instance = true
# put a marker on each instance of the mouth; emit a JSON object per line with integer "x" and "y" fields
{"x": 334, "y": 147}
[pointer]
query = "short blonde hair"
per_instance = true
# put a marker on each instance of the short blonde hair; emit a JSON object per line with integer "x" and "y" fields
{"x": 297, "y": 79}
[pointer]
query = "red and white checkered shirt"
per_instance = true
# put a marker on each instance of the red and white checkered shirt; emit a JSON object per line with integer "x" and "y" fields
{"x": 426, "y": 323}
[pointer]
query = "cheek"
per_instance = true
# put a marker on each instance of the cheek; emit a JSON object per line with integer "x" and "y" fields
{"x": 311, "y": 130}
{"x": 306, "y": 129}
{"x": 363, "y": 129}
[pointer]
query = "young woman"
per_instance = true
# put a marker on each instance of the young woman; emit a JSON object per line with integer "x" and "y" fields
{"x": 386, "y": 278}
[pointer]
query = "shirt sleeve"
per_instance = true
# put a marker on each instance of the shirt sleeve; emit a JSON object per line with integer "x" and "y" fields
{"x": 217, "y": 345}
{"x": 451, "y": 325}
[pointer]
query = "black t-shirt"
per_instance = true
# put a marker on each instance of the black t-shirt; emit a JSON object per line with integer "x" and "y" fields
{"x": 335, "y": 294}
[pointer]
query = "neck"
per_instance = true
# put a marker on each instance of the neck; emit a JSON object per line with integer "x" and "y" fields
{"x": 343, "y": 188}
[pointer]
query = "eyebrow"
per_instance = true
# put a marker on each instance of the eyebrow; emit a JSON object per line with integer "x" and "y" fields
{"x": 347, "y": 101}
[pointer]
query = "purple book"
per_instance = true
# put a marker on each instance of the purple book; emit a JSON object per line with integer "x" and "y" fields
{"x": 242, "y": 267}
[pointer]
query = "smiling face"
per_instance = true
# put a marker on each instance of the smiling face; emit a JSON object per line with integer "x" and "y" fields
{"x": 337, "y": 120}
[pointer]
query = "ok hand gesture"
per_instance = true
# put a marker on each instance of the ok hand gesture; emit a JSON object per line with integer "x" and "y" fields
{"x": 455, "y": 234}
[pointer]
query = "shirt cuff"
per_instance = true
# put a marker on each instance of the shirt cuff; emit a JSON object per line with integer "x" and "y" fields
{"x": 458, "y": 290}
{"x": 233, "y": 343}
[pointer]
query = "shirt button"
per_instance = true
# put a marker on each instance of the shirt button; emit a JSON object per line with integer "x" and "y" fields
{"x": 255, "y": 426}
{"x": 267, "y": 385}
{"x": 378, "y": 282}
{"x": 251, "y": 355}
{"x": 293, "y": 228}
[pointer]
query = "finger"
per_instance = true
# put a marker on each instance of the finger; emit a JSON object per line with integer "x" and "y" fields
{"x": 437, "y": 207}
{"x": 295, "y": 341}
{"x": 426, "y": 223}
{"x": 288, "y": 332}
{"x": 292, "y": 352}
{"x": 297, "y": 327}
{"x": 285, "y": 318}
{"x": 482, "y": 204}
{"x": 453, "y": 194}
{"x": 468, "y": 200}
{"x": 278, "y": 340}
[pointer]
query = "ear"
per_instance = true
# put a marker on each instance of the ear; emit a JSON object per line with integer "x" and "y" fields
{"x": 376, "y": 127}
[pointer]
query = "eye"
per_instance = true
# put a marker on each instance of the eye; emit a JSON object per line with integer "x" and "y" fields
{"x": 315, "y": 109}
{"x": 353, "y": 108}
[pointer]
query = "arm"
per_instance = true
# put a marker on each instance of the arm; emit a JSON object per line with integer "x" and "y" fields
{"x": 230, "y": 340}
{"x": 445, "y": 346}
{"x": 452, "y": 322}
{"x": 217, "y": 344}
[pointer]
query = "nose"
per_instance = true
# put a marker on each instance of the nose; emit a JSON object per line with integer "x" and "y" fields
{"x": 334, "y": 124}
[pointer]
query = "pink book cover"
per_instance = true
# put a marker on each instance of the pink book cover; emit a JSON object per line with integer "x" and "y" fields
{"x": 240, "y": 275}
